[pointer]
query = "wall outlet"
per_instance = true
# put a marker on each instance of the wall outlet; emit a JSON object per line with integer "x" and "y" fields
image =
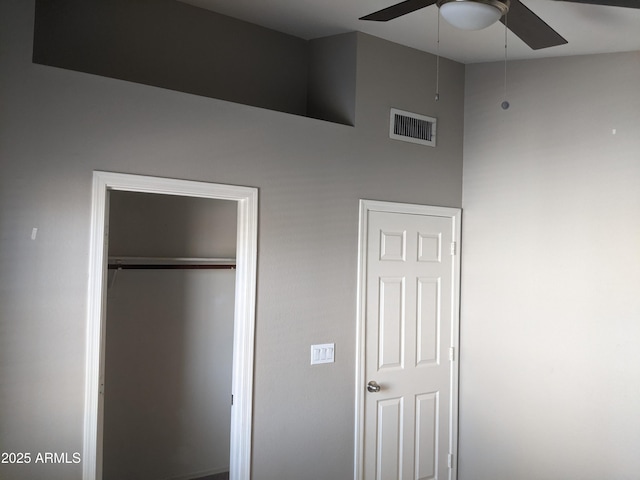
{"x": 324, "y": 353}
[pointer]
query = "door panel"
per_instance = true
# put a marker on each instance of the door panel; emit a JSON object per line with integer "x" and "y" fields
{"x": 391, "y": 322}
{"x": 410, "y": 324}
{"x": 428, "y": 321}
{"x": 426, "y": 448}
{"x": 389, "y": 441}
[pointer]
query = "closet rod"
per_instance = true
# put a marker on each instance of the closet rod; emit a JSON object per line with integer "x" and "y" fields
{"x": 170, "y": 263}
{"x": 172, "y": 266}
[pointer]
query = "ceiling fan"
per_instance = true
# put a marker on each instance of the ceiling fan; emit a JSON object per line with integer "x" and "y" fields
{"x": 478, "y": 14}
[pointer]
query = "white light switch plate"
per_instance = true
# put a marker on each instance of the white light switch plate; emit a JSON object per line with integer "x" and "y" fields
{"x": 324, "y": 353}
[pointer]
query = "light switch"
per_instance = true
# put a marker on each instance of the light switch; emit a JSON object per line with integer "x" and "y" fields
{"x": 324, "y": 353}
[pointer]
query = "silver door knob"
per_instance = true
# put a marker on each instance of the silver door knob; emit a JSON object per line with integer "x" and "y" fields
{"x": 373, "y": 387}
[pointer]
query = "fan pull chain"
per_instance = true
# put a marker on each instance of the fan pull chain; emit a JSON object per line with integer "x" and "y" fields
{"x": 505, "y": 103}
{"x": 438, "y": 61}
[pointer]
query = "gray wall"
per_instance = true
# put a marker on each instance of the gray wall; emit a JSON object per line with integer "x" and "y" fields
{"x": 57, "y": 126}
{"x": 167, "y": 401}
{"x": 144, "y": 224}
{"x": 173, "y": 45}
{"x": 551, "y": 272}
{"x": 332, "y": 78}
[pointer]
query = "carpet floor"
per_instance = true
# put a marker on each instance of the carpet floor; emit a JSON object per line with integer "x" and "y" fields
{"x": 217, "y": 476}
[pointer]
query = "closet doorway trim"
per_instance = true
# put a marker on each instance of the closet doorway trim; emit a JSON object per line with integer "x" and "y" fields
{"x": 244, "y": 321}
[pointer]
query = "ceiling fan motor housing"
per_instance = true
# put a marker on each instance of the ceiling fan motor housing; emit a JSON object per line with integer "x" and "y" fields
{"x": 502, "y": 5}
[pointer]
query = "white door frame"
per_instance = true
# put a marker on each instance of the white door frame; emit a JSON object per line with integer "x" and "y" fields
{"x": 455, "y": 214}
{"x": 246, "y": 261}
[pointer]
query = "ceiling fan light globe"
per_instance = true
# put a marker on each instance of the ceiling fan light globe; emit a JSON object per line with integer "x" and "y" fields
{"x": 470, "y": 14}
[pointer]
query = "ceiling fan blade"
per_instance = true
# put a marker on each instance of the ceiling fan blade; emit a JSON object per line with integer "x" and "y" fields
{"x": 397, "y": 10}
{"x": 530, "y": 28}
{"x": 608, "y": 3}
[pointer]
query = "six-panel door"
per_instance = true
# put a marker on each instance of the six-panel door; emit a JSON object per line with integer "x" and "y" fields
{"x": 409, "y": 315}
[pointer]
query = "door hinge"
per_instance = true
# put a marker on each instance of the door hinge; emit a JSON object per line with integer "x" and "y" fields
{"x": 452, "y": 354}
{"x": 450, "y": 460}
{"x": 232, "y": 400}
{"x": 454, "y": 248}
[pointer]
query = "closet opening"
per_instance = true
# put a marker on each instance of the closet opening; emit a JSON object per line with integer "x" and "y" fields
{"x": 170, "y": 331}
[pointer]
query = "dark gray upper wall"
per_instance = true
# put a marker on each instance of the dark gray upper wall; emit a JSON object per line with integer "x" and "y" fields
{"x": 169, "y": 44}
{"x": 332, "y": 78}
{"x": 173, "y": 45}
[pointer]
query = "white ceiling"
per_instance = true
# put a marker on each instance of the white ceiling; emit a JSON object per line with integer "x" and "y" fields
{"x": 588, "y": 28}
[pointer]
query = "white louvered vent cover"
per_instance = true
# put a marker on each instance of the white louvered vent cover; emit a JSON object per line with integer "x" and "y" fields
{"x": 412, "y": 127}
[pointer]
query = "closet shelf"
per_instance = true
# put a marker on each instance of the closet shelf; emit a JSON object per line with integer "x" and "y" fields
{"x": 170, "y": 263}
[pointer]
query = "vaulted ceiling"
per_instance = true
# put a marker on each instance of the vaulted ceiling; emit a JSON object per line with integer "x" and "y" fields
{"x": 588, "y": 28}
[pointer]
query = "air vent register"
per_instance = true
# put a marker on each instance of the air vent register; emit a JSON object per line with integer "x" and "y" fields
{"x": 412, "y": 127}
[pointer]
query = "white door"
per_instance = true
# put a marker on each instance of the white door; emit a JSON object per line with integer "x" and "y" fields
{"x": 408, "y": 380}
